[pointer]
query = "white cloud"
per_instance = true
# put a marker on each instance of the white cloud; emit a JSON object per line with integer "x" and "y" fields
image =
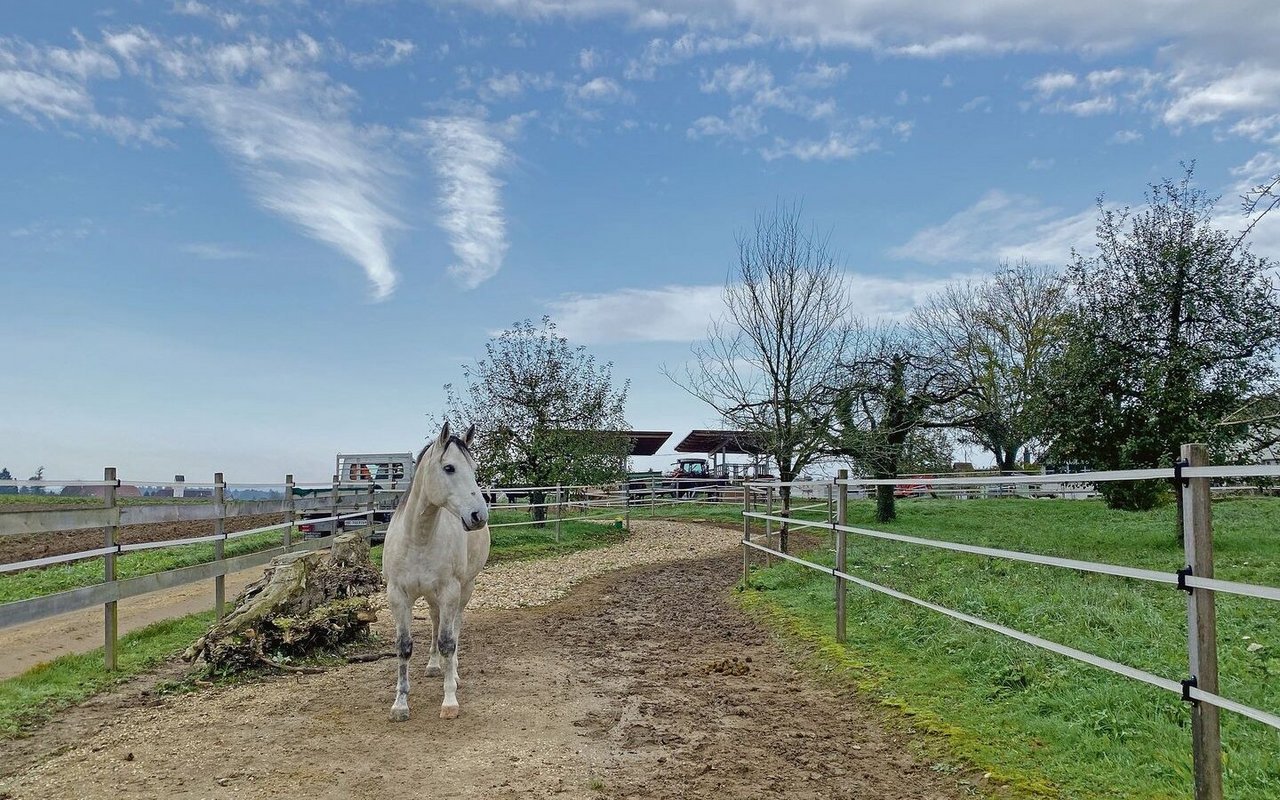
{"x": 979, "y": 103}
{"x": 837, "y": 146}
{"x": 388, "y": 52}
{"x": 1126, "y": 137}
{"x": 303, "y": 159}
{"x": 668, "y": 314}
{"x": 1040, "y": 164}
{"x": 214, "y": 251}
{"x": 1206, "y": 96}
{"x": 467, "y": 157}
{"x": 681, "y": 313}
{"x": 588, "y": 59}
{"x": 1052, "y": 83}
{"x": 507, "y": 85}
{"x": 599, "y": 90}
{"x": 744, "y": 123}
{"x": 665, "y": 52}
{"x": 227, "y": 19}
{"x": 51, "y": 85}
{"x": 928, "y": 29}
{"x": 1002, "y": 226}
{"x": 821, "y": 75}
{"x": 737, "y": 79}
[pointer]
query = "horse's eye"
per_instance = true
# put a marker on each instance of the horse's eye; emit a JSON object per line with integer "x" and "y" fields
{"x": 448, "y": 468}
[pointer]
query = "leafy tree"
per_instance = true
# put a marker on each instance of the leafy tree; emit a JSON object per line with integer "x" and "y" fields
{"x": 1001, "y": 335}
{"x": 6, "y": 476}
{"x": 39, "y": 476}
{"x": 1175, "y": 326}
{"x": 895, "y": 389}
{"x": 545, "y": 412}
{"x": 765, "y": 367}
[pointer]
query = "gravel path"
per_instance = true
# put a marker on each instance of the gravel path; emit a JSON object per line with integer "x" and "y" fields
{"x": 519, "y": 584}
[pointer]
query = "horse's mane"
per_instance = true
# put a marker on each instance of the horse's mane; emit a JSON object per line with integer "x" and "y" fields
{"x": 453, "y": 440}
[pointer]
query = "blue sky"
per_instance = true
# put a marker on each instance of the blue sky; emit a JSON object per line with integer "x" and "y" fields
{"x": 243, "y": 236}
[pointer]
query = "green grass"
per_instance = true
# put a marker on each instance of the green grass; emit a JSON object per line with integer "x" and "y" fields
{"x": 39, "y": 693}
{"x": 1044, "y": 724}
{"x": 62, "y": 577}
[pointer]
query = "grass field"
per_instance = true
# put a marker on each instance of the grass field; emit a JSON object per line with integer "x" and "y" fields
{"x": 1044, "y": 724}
{"x": 33, "y": 696}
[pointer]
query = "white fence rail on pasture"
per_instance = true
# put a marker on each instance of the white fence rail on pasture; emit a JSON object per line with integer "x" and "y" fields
{"x": 1192, "y": 476}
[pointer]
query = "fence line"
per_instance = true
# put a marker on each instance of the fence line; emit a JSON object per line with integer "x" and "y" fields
{"x": 1200, "y": 688}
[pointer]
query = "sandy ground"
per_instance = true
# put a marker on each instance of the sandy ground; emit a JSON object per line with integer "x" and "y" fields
{"x": 611, "y": 691}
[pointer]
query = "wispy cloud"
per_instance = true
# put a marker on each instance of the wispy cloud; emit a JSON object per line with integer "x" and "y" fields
{"x": 1002, "y": 226}
{"x": 303, "y": 159}
{"x": 388, "y": 52}
{"x": 213, "y": 251}
{"x": 467, "y": 156}
{"x": 191, "y": 8}
{"x": 681, "y": 313}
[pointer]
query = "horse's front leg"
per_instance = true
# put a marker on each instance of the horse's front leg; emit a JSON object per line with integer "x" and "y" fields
{"x": 434, "y": 670}
{"x": 447, "y": 642}
{"x": 401, "y": 607}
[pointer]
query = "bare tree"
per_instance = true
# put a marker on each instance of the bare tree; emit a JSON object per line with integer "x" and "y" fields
{"x": 767, "y": 365}
{"x": 895, "y": 386}
{"x": 1001, "y": 335}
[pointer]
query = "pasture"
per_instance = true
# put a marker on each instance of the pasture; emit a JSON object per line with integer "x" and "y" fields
{"x": 1045, "y": 724}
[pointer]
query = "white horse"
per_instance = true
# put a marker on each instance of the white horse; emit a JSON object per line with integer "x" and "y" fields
{"x": 436, "y": 545}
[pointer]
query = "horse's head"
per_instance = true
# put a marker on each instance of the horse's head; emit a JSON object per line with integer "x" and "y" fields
{"x": 450, "y": 475}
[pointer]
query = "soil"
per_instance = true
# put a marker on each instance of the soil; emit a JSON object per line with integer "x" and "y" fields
{"x": 39, "y": 545}
{"x": 649, "y": 682}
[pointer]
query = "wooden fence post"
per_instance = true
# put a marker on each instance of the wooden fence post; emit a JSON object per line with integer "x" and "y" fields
{"x": 746, "y": 537}
{"x": 559, "y": 512}
{"x": 333, "y": 505}
{"x": 288, "y": 511}
{"x": 1202, "y": 626}
{"x": 627, "y": 500}
{"x": 653, "y": 496}
{"x": 219, "y": 554}
{"x": 768, "y": 526}
{"x": 368, "y": 517}
{"x": 110, "y": 610}
{"x": 842, "y": 554}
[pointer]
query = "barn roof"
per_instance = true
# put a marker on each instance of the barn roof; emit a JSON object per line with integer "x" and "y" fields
{"x": 713, "y": 441}
{"x": 646, "y": 443}
{"x": 643, "y": 443}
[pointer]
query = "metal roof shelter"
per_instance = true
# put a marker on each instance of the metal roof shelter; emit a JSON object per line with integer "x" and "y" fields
{"x": 647, "y": 443}
{"x": 643, "y": 443}
{"x": 714, "y": 442}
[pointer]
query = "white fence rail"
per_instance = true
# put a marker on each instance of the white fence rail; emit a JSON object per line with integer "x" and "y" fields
{"x": 1192, "y": 475}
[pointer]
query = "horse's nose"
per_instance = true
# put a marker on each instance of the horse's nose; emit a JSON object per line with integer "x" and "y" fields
{"x": 475, "y": 519}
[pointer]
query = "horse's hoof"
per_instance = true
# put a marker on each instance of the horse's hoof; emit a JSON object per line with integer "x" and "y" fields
{"x": 449, "y": 712}
{"x": 400, "y": 713}
{"x": 434, "y": 672}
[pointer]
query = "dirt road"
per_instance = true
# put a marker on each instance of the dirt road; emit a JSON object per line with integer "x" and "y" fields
{"x": 609, "y": 692}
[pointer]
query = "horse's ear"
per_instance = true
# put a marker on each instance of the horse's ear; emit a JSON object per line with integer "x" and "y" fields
{"x": 443, "y": 438}
{"x": 471, "y": 434}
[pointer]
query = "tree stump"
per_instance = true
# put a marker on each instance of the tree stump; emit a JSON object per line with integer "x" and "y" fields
{"x": 304, "y": 602}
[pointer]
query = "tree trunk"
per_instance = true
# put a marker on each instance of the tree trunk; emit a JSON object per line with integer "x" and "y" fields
{"x": 784, "y": 493}
{"x": 304, "y": 602}
{"x": 536, "y": 499}
{"x": 885, "y": 508}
